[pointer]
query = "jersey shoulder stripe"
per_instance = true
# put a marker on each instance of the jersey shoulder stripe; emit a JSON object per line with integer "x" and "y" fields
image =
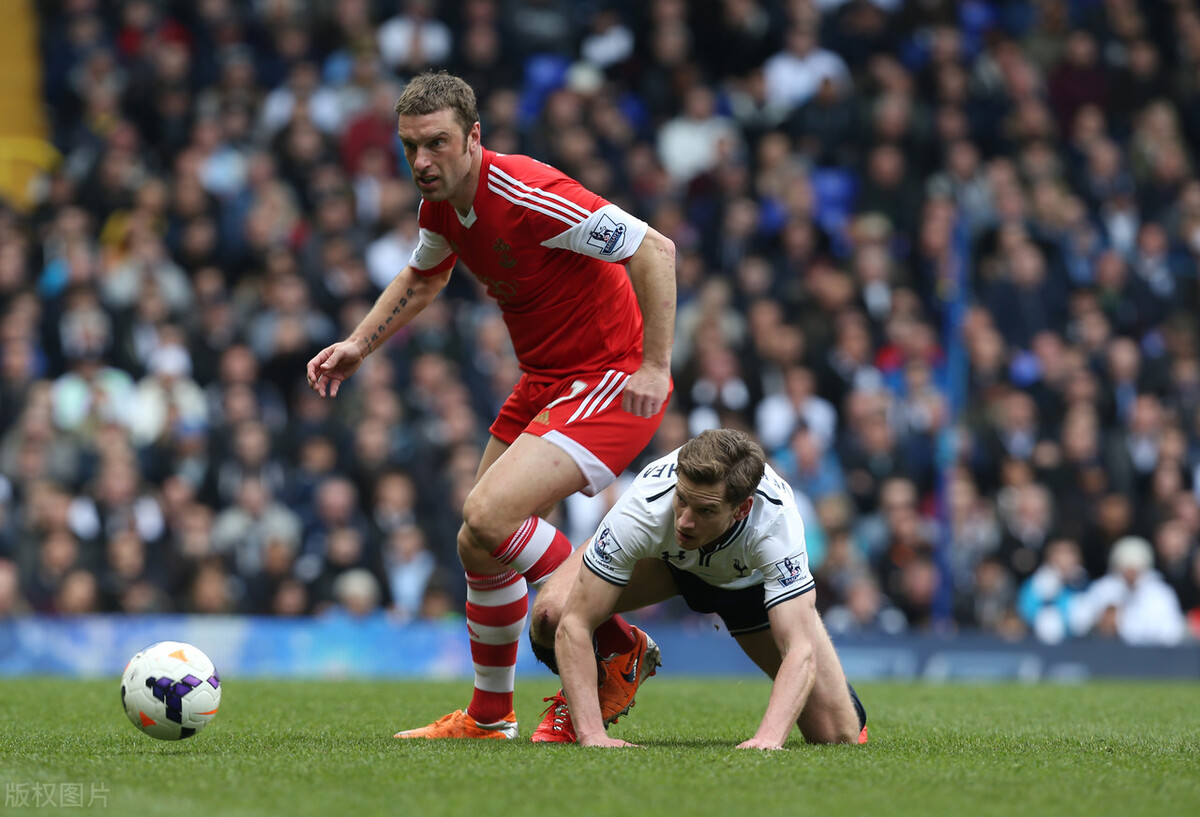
{"x": 536, "y": 199}
{"x": 775, "y": 489}
{"x": 661, "y": 493}
{"x": 537, "y": 206}
{"x": 508, "y": 178}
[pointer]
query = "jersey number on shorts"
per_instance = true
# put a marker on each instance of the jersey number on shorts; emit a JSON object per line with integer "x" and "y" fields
{"x": 576, "y": 388}
{"x": 597, "y": 399}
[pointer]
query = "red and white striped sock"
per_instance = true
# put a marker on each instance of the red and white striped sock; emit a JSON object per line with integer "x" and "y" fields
{"x": 496, "y": 610}
{"x": 535, "y": 550}
{"x": 614, "y": 637}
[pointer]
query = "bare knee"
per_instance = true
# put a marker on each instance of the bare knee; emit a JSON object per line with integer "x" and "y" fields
{"x": 842, "y": 733}
{"x": 543, "y": 622}
{"x": 830, "y": 728}
{"x": 549, "y": 604}
{"x": 474, "y": 555}
{"x": 485, "y": 524}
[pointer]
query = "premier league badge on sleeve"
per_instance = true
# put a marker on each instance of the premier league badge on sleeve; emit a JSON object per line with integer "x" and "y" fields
{"x": 608, "y": 236}
{"x": 790, "y": 570}
{"x": 604, "y": 545}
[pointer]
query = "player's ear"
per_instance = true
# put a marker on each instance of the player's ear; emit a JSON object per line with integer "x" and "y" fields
{"x": 474, "y": 137}
{"x": 743, "y": 510}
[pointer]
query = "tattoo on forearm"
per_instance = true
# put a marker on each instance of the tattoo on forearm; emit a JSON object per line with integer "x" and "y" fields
{"x": 379, "y": 330}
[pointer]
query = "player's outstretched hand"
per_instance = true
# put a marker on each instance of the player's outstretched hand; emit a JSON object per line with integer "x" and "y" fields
{"x": 756, "y": 743}
{"x": 646, "y": 391}
{"x": 609, "y": 743}
{"x": 332, "y": 365}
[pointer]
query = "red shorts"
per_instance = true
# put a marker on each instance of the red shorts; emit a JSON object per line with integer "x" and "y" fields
{"x": 582, "y": 415}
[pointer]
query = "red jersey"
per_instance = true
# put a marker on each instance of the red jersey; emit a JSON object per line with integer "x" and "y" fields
{"x": 551, "y": 253}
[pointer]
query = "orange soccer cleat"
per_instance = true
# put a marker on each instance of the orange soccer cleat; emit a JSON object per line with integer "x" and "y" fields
{"x": 459, "y": 724}
{"x": 623, "y": 673}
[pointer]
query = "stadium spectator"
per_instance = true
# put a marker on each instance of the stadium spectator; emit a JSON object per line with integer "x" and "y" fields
{"x": 1027, "y": 525}
{"x": 346, "y": 552}
{"x": 210, "y": 590}
{"x": 1044, "y": 600}
{"x": 12, "y": 601}
{"x": 866, "y": 610}
{"x": 78, "y": 594}
{"x": 245, "y": 450}
{"x": 168, "y": 401}
{"x": 810, "y": 465}
{"x": 414, "y": 38}
{"x": 698, "y": 139}
{"x": 91, "y": 392}
{"x": 57, "y": 558}
{"x": 128, "y": 583}
{"x": 1175, "y": 556}
{"x": 1131, "y": 602}
{"x": 794, "y": 74}
{"x": 355, "y": 593}
{"x": 246, "y": 531}
{"x": 988, "y": 601}
{"x": 410, "y": 569}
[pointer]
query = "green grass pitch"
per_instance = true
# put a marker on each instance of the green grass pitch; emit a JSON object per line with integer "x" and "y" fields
{"x": 325, "y": 748}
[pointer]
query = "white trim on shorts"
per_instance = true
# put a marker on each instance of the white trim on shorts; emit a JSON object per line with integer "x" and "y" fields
{"x": 594, "y": 471}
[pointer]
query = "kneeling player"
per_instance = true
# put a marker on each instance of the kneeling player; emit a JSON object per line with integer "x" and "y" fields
{"x": 710, "y": 522}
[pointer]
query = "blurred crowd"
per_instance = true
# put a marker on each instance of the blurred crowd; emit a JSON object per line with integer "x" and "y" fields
{"x": 939, "y": 257}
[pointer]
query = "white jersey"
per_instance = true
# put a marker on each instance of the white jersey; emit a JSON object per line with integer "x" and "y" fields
{"x": 767, "y": 547}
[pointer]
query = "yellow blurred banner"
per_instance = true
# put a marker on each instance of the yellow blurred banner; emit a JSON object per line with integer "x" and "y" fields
{"x": 24, "y": 153}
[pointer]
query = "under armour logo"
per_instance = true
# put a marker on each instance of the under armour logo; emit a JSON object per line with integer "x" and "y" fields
{"x": 678, "y": 555}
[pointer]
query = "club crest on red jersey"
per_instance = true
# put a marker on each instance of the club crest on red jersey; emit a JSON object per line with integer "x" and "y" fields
{"x": 504, "y": 253}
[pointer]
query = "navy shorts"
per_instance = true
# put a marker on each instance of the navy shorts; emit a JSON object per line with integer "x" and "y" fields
{"x": 743, "y": 610}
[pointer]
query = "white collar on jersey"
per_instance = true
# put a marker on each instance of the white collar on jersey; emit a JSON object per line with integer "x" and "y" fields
{"x": 466, "y": 220}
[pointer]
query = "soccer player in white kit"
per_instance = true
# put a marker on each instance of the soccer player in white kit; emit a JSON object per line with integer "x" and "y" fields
{"x": 713, "y": 523}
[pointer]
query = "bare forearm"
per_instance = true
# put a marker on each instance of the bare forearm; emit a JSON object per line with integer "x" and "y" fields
{"x": 652, "y": 270}
{"x": 577, "y": 668}
{"x": 789, "y": 693}
{"x": 404, "y": 297}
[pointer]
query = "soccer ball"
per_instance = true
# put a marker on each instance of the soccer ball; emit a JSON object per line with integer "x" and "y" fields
{"x": 170, "y": 690}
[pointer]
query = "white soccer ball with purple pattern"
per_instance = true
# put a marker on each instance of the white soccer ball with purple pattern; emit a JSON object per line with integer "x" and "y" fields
{"x": 170, "y": 690}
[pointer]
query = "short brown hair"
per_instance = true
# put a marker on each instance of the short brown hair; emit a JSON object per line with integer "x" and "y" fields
{"x": 439, "y": 91}
{"x": 724, "y": 455}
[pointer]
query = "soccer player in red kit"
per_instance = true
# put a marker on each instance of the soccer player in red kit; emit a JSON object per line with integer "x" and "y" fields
{"x": 588, "y": 294}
